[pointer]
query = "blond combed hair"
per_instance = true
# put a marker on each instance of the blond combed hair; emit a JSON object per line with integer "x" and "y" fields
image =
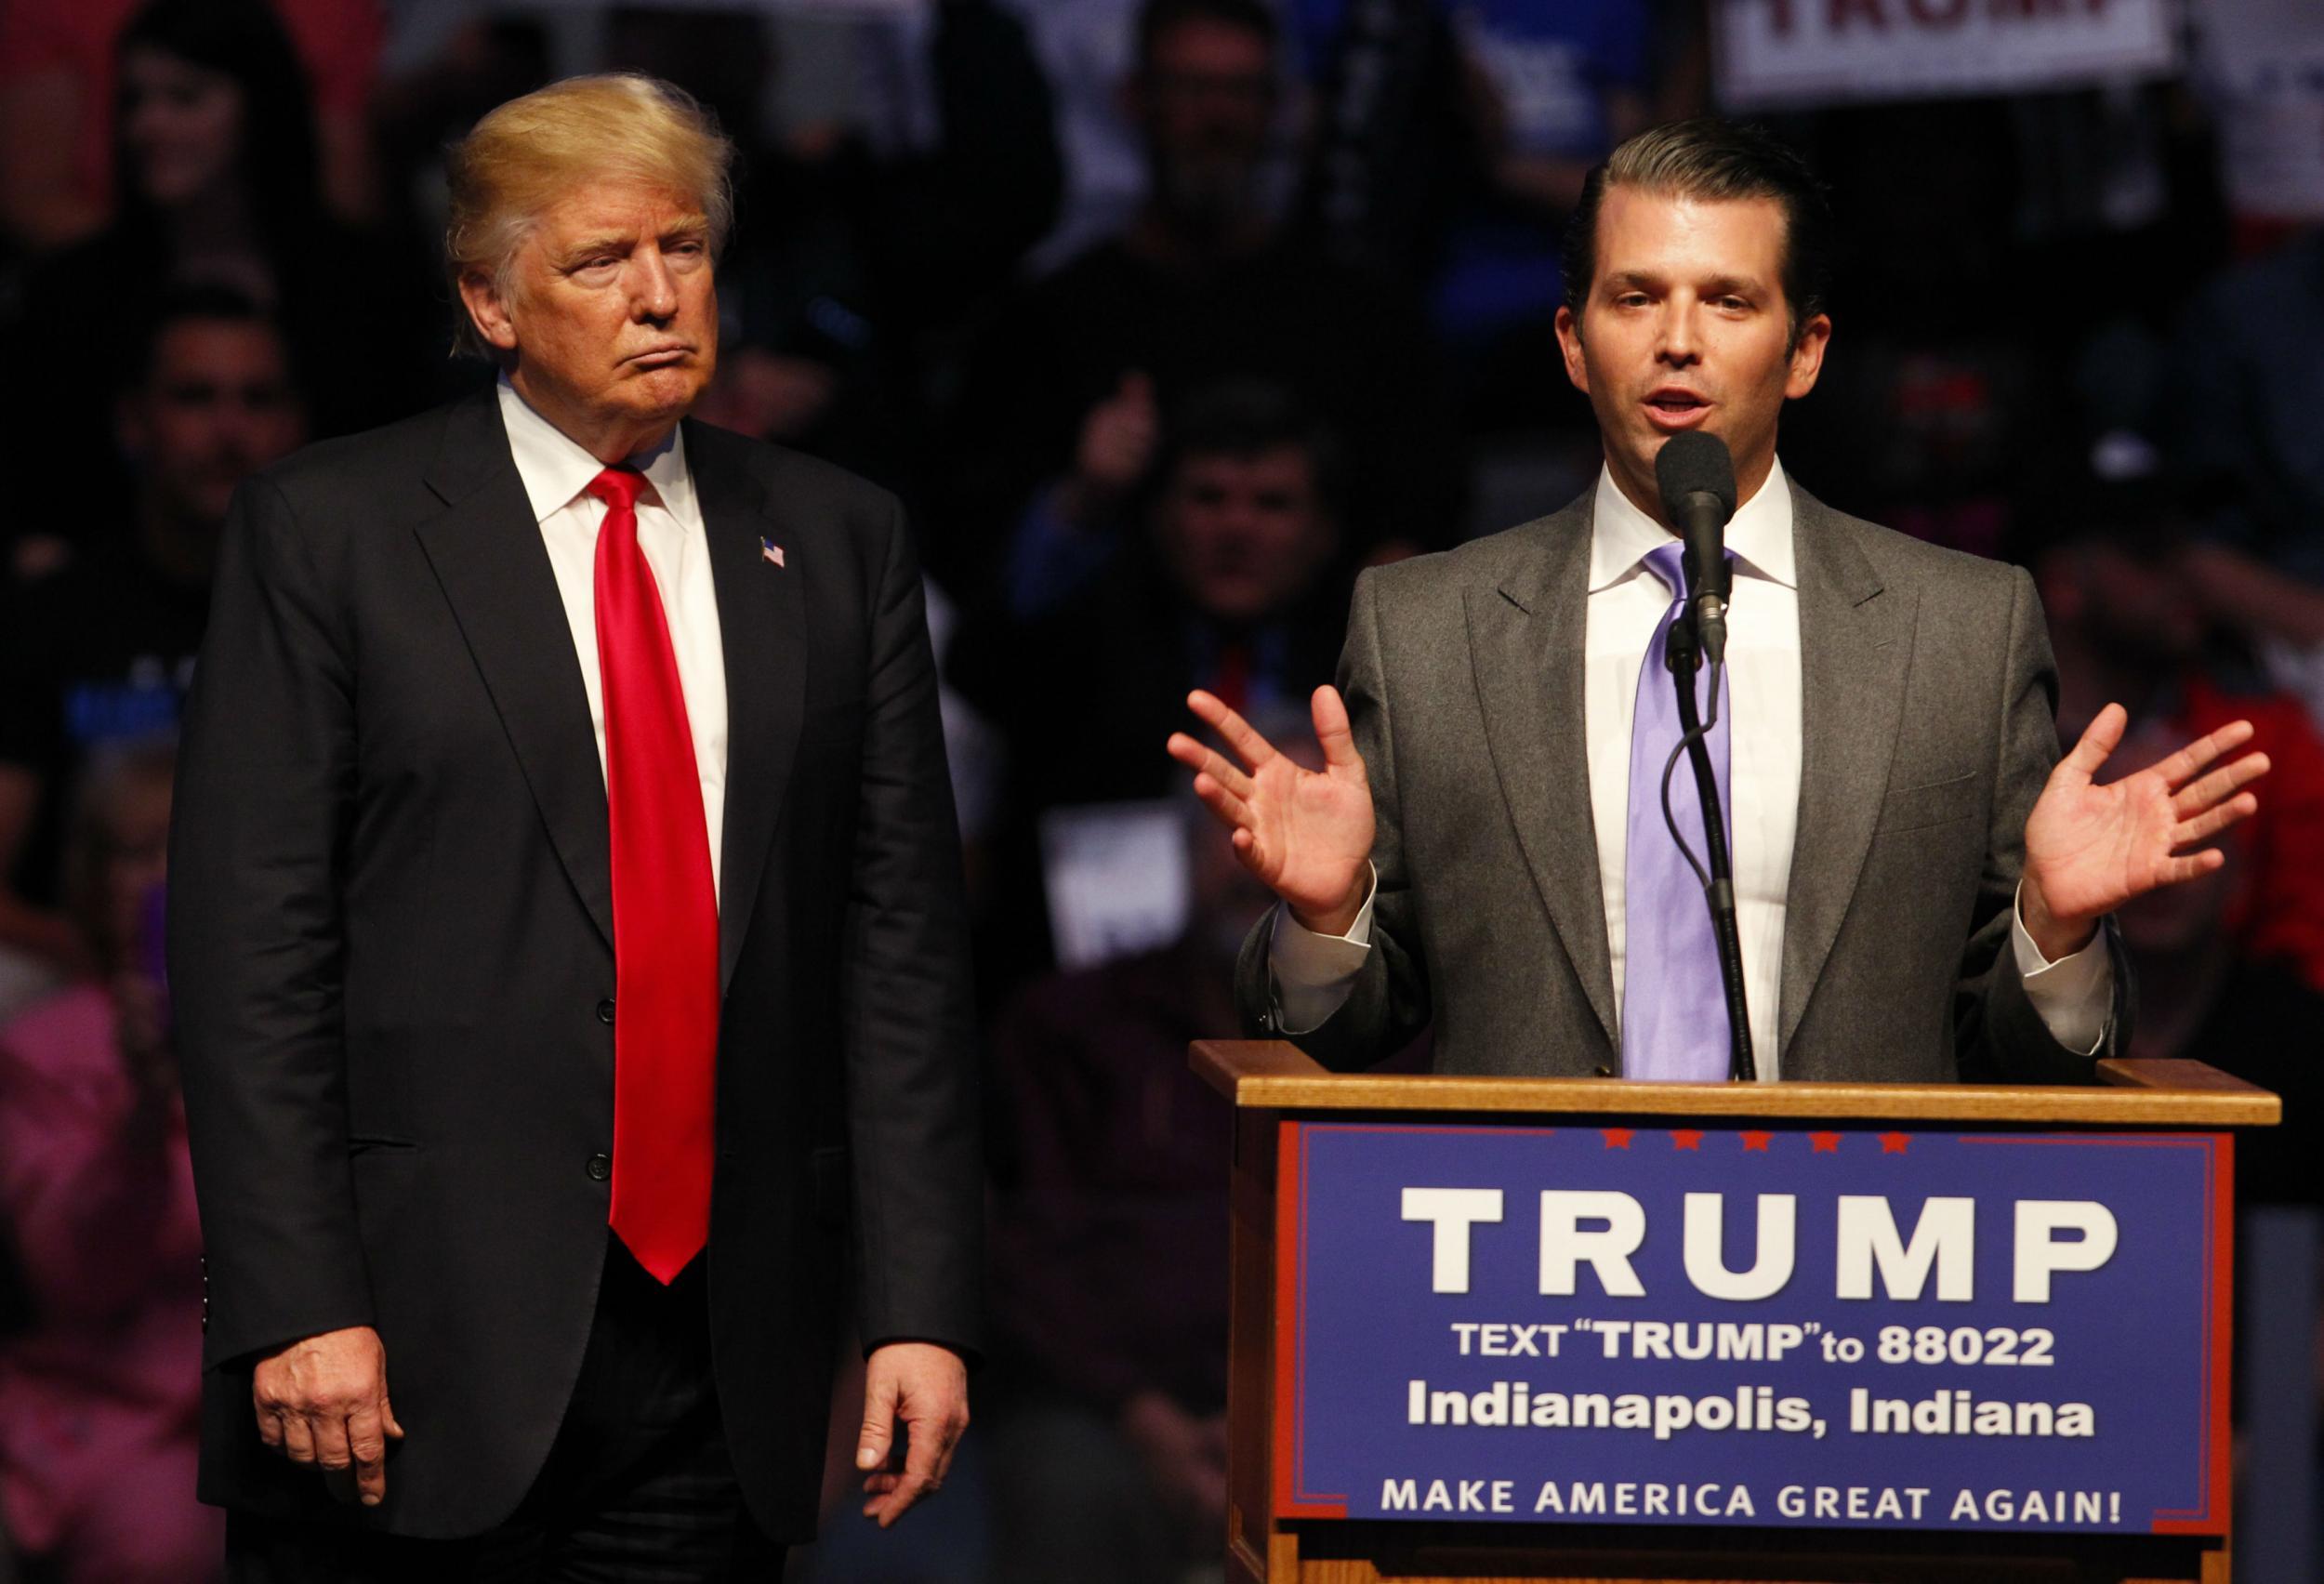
{"x": 528, "y": 154}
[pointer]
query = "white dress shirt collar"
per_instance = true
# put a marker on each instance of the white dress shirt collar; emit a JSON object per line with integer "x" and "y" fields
{"x": 1760, "y": 534}
{"x": 554, "y": 468}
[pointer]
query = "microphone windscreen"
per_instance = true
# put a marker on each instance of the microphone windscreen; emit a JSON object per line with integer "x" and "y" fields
{"x": 1692, "y": 462}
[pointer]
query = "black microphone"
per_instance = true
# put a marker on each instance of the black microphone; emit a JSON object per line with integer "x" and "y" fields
{"x": 1697, "y": 478}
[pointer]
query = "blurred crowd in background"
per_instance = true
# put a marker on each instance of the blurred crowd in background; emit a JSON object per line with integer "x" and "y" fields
{"x": 1165, "y": 317}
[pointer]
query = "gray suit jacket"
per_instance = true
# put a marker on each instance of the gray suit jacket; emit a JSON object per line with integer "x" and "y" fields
{"x": 1928, "y": 693}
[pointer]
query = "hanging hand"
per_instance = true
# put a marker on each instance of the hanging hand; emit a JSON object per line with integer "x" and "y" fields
{"x": 916, "y": 1409}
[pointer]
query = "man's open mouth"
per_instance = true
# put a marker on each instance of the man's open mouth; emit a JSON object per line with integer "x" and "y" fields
{"x": 1671, "y": 409}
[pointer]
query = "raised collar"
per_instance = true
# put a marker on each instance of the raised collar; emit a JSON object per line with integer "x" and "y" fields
{"x": 554, "y": 469}
{"x": 1760, "y": 533}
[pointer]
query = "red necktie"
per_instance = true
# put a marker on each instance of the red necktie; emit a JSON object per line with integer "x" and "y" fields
{"x": 1230, "y": 684}
{"x": 666, "y": 910}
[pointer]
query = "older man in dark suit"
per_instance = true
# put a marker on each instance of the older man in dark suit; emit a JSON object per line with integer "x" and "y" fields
{"x": 567, "y": 935}
{"x": 1920, "y": 881}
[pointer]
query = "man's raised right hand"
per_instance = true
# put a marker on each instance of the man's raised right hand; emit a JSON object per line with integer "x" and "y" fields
{"x": 323, "y": 1401}
{"x": 1306, "y": 834}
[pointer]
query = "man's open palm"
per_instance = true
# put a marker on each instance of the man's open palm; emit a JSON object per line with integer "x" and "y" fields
{"x": 2089, "y": 849}
{"x": 1307, "y": 833}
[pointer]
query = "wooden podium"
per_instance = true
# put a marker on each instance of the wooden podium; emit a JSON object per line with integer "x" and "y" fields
{"x": 1273, "y": 1082}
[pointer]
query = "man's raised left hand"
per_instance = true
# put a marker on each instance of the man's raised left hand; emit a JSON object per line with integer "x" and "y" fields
{"x": 923, "y": 1388}
{"x": 2089, "y": 849}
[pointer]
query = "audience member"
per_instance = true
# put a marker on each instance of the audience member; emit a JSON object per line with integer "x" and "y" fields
{"x": 1453, "y": 142}
{"x": 1398, "y": 151}
{"x": 217, "y": 175}
{"x": 1088, "y": 49}
{"x": 1055, "y": 424}
{"x": 101, "y": 1394}
{"x": 2246, "y": 423}
{"x": 1110, "y": 1255}
{"x": 1948, "y": 385}
{"x": 1237, "y": 584}
{"x": 1109, "y": 1244}
{"x": 2125, "y": 626}
{"x": 100, "y": 653}
{"x": 2204, "y": 997}
{"x": 444, "y": 64}
{"x": 2247, "y": 436}
{"x": 58, "y": 85}
{"x": 2248, "y": 429}
{"x": 1233, "y": 585}
{"x": 857, "y": 260}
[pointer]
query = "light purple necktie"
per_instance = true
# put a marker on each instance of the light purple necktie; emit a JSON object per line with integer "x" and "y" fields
{"x": 1674, "y": 1007}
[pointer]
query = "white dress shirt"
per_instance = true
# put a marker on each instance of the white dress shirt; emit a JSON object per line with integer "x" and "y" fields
{"x": 1313, "y": 973}
{"x": 556, "y": 472}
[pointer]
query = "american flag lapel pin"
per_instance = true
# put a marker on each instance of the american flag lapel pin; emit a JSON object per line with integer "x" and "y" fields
{"x": 769, "y": 551}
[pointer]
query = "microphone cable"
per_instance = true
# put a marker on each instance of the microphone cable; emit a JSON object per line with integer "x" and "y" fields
{"x": 1741, "y": 1066}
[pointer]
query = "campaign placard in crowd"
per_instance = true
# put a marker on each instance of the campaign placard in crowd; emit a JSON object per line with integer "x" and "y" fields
{"x": 1810, "y": 52}
{"x": 1825, "y": 1328}
{"x": 2259, "y": 67}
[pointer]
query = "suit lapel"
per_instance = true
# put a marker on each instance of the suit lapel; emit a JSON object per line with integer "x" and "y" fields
{"x": 1526, "y": 647}
{"x": 486, "y": 549}
{"x": 1855, "y": 640}
{"x": 762, "y": 633}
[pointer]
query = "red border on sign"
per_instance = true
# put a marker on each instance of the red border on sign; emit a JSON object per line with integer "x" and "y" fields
{"x": 2213, "y": 1468}
{"x": 1291, "y": 1330}
{"x": 2218, "y": 1188}
{"x": 2213, "y": 1473}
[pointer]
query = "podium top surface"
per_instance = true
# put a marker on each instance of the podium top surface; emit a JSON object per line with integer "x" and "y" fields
{"x": 1273, "y": 1075}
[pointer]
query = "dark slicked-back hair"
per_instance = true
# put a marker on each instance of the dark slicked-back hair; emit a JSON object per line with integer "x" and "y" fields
{"x": 1159, "y": 17}
{"x": 1714, "y": 161}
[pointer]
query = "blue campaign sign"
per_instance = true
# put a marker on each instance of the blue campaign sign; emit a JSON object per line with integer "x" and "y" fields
{"x": 1778, "y": 1326}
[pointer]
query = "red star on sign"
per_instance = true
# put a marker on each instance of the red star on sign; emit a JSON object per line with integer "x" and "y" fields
{"x": 1757, "y": 1141}
{"x": 1824, "y": 1143}
{"x": 1616, "y": 1137}
{"x": 1687, "y": 1138}
{"x": 1894, "y": 1143}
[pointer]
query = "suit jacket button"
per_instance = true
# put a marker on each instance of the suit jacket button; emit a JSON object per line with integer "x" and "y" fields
{"x": 1603, "y": 1071}
{"x": 601, "y": 1168}
{"x": 605, "y": 1010}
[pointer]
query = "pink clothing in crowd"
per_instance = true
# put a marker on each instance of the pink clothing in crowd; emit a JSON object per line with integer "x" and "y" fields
{"x": 337, "y": 42}
{"x": 99, "y": 1399}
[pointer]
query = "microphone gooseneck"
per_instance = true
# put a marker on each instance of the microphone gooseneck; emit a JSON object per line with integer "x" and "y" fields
{"x": 1696, "y": 477}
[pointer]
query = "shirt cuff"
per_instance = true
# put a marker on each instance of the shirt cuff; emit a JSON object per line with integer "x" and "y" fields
{"x": 1313, "y": 974}
{"x": 2075, "y": 994}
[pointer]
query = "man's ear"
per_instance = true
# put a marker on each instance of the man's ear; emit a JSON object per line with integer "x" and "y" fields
{"x": 1807, "y": 356}
{"x": 487, "y": 311}
{"x": 1569, "y": 344}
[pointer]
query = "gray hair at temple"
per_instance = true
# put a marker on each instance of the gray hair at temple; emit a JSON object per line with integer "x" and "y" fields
{"x": 1714, "y": 161}
{"x": 530, "y": 152}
